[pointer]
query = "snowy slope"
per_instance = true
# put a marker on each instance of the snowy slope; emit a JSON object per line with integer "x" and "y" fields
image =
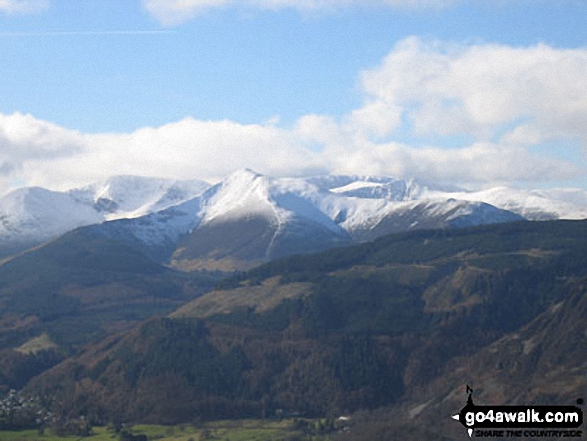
{"x": 245, "y": 218}
{"x": 31, "y": 216}
{"x": 250, "y": 217}
{"x": 244, "y": 193}
{"x": 391, "y": 189}
{"x": 248, "y": 214}
{"x": 133, "y": 196}
{"x": 360, "y": 206}
{"x": 338, "y": 203}
{"x": 531, "y": 204}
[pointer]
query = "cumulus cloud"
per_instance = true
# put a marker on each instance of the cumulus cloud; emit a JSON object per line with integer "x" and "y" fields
{"x": 348, "y": 150}
{"x": 22, "y": 6}
{"x": 54, "y": 157}
{"x": 507, "y": 100}
{"x": 208, "y": 149}
{"x": 173, "y": 12}
{"x": 24, "y": 138}
{"x": 478, "y": 165}
{"x": 526, "y": 94}
{"x": 39, "y": 153}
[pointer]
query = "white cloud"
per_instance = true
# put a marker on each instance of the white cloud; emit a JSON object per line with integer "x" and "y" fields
{"x": 208, "y": 149}
{"x": 24, "y": 138}
{"x": 477, "y": 165}
{"x": 173, "y": 12}
{"x": 346, "y": 150}
{"x": 38, "y": 153}
{"x": 508, "y": 100}
{"x": 379, "y": 118}
{"x": 22, "y": 6}
{"x": 537, "y": 92}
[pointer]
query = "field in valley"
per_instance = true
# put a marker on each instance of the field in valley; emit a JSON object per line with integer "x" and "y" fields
{"x": 240, "y": 430}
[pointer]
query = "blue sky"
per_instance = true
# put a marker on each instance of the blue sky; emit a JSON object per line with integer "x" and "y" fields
{"x": 95, "y": 87}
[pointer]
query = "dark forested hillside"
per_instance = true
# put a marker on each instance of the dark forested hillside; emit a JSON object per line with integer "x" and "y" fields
{"x": 76, "y": 290}
{"x": 388, "y": 323}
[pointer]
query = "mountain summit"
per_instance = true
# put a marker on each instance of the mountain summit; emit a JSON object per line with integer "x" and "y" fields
{"x": 249, "y": 218}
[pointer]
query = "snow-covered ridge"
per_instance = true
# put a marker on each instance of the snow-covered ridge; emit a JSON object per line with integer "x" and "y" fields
{"x": 36, "y": 212}
{"x": 381, "y": 188}
{"x": 530, "y": 204}
{"x": 358, "y": 185}
{"x": 162, "y": 210}
{"x": 123, "y": 197}
{"x": 30, "y": 216}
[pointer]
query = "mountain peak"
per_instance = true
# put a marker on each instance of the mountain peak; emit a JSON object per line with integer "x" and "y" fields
{"x": 125, "y": 196}
{"x": 243, "y": 174}
{"x": 244, "y": 191}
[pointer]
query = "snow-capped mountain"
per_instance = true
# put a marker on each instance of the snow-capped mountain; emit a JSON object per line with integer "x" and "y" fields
{"x": 245, "y": 219}
{"x": 122, "y": 197}
{"x": 249, "y": 218}
{"x": 31, "y": 216}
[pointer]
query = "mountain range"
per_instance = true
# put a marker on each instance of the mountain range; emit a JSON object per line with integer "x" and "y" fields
{"x": 248, "y": 219}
